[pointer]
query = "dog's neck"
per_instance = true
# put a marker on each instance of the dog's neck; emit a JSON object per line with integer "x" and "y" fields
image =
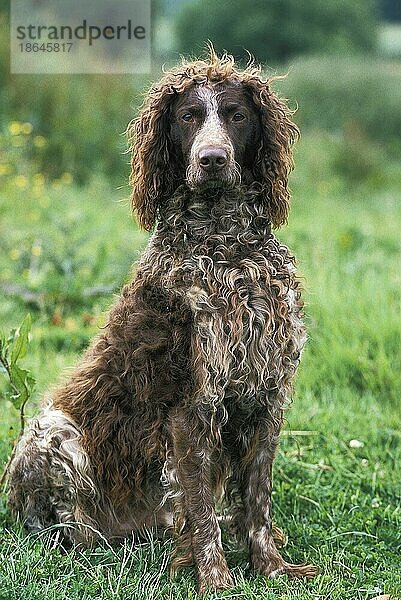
{"x": 216, "y": 212}
{"x": 198, "y": 231}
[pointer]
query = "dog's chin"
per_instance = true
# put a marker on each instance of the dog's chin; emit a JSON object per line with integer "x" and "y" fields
{"x": 210, "y": 183}
{"x": 219, "y": 181}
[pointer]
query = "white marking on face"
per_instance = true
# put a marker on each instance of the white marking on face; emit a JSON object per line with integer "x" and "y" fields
{"x": 212, "y": 122}
{"x": 211, "y": 133}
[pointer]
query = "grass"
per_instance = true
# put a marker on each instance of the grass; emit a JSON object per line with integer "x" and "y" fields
{"x": 338, "y": 500}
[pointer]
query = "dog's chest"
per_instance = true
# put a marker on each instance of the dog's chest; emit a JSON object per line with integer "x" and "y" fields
{"x": 239, "y": 282}
{"x": 246, "y": 324}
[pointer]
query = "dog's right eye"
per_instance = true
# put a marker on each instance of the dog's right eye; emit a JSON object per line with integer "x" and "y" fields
{"x": 237, "y": 117}
{"x": 187, "y": 117}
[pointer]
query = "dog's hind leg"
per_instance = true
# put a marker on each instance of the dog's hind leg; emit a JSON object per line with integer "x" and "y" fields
{"x": 50, "y": 479}
{"x": 29, "y": 486}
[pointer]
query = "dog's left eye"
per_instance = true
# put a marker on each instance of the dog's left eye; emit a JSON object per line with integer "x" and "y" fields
{"x": 187, "y": 117}
{"x": 238, "y": 117}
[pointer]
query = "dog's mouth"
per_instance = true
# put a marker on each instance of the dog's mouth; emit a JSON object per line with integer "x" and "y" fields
{"x": 197, "y": 179}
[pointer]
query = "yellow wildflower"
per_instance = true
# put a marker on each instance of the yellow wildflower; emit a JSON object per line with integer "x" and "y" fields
{"x": 5, "y": 169}
{"x": 26, "y": 128}
{"x": 15, "y": 127}
{"x": 66, "y": 178}
{"x": 70, "y": 324}
{"x": 36, "y": 249}
{"x": 20, "y": 181}
{"x": 14, "y": 254}
{"x": 39, "y": 141}
{"x": 38, "y": 179}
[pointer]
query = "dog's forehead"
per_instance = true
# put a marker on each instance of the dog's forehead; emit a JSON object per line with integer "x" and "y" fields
{"x": 213, "y": 94}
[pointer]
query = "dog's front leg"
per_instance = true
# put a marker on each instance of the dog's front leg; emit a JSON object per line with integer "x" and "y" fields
{"x": 193, "y": 445}
{"x": 257, "y": 490}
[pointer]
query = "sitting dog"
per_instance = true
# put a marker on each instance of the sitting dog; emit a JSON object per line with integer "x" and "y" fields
{"x": 179, "y": 401}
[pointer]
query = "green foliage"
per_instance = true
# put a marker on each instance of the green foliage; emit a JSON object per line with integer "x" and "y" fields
{"x": 64, "y": 266}
{"x": 12, "y": 350}
{"x": 359, "y": 158}
{"x": 337, "y": 502}
{"x": 357, "y": 97}
{"x": 78, "y": 119}
{"x": 349, "y": 255}
{"x": 277, "y": 30}
{"x": 81, "y": 118}
{"x": 62, "y": 263}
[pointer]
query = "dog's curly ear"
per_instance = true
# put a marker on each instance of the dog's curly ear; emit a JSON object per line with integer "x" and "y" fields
{"x": 152, "y": 174}
{"x": 274, "y": 158}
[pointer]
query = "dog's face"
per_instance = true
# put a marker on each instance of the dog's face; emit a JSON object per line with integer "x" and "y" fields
{"x": 216, "y": 131}
{"x": 208, "y": 124}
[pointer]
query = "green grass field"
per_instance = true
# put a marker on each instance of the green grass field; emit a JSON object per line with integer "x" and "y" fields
{"x": 64, "y": 251}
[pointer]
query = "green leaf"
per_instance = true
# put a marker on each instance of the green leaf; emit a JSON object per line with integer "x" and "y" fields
{"x": 21, "y": 339}
{"x": 31, "y": 382}
{"x": 23, "y": 384}
{"x": 3, "y": 346}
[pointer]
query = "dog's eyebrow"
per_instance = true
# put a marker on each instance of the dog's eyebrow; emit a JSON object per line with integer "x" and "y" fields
{"x": 232, "y": 105}
{"x": 193, "y": 107}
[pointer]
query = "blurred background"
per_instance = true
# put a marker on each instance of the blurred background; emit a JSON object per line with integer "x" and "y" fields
{"x": 67, "y": 244}
{"x": 343, "y": 58}
{"x": 64, "y": 167}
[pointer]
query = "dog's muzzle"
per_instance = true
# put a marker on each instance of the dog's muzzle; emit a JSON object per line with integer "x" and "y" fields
{"x": 212, "y": 164}
{"x": 213, "y": 159}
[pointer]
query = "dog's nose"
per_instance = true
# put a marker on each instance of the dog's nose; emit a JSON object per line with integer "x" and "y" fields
{"x": 212, "y": 158}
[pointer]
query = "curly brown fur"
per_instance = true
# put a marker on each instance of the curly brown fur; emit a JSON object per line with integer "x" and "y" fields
{"x": 180, "y": 399}
{"x": 155, "y": 165}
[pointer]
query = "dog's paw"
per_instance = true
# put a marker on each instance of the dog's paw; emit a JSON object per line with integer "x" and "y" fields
{"x": 273, "y": 570}
{"x": 299, "y": 571}
{"x": 217, "y": 580}
{"x": 270, "y": 563}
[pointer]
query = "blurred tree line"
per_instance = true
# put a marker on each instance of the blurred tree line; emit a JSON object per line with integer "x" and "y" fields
{"x": 391, "y": 10}
{"x": 278, "y": 30}
{"x": 82, "y": 117}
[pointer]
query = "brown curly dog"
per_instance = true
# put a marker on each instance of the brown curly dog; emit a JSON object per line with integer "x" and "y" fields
{"x": 179, "y": 401}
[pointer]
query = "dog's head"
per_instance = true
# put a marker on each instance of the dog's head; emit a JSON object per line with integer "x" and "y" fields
{"x": 207, "y": 123}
